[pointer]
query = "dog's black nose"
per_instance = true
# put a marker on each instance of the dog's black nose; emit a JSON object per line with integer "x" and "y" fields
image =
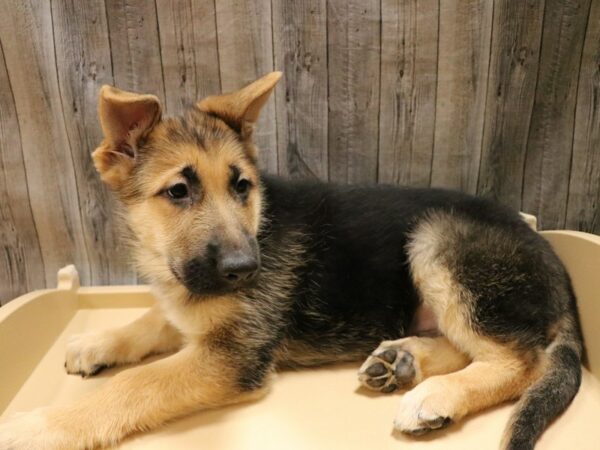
{"x": 238, "y": 266}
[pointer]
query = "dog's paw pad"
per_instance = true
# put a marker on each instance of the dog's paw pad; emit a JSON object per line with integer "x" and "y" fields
{"x": 389, "y": 355}
{"x": 387, "y": 369}
{"x": 405, "y": 368}
{"x": 376, "y": 370}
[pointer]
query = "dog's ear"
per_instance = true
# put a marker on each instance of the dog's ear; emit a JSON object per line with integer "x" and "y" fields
{"x": 126, "y": 118}
{"x": 240, "y": 109}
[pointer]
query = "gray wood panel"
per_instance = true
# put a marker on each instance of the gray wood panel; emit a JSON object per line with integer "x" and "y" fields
{"x": 135, "y": 46}
{"x": 300, "y": 48}
{"x": 514, "y": 64}
{"x": 409, "y": 41}
{"x": 550, "y": 143}
{"x": 495, "y": 97}
{"x": 31, "y": 64}
{"x": 188, "y": 45}
{"x": 464, "y": 52}
{"x": 584, "y": 188}
{"x": 353, "y": 36}
{"x": 21, "y": 263}
{"x": 245, "y": 53}
{"x": 83, "y": 65}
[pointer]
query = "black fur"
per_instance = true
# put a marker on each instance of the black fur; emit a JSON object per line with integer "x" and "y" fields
{"x": 354, "y": 289}
{"x": 547, "y": 399}
{"x": 351, "y": 286}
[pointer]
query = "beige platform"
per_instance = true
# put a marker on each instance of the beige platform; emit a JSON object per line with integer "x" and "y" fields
{"x": 308, "y": 410}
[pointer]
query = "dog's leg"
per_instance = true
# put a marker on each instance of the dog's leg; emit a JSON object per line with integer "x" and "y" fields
{"x": 136, "y": 399}
{"x": 406, "y": 362}
{"x": 500, "y": 371}
{"x": 497, "y": 375}
{"x": 89, "y": 353}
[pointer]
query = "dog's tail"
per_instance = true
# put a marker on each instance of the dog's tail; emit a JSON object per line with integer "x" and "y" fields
{"x": 551, "y": 393}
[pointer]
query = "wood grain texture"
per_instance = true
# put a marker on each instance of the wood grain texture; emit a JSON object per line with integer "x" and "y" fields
{"x": 354, "y": 43}
{"x": 188, "y": 44}
{"x": 464, "y": 53}
{"x": 550, "y": 143}
{"x": 584, "y": 187}
{"x": 31, "y": 64}
{"x": 83, "y": 65}
{"x": 409, "y": 40}
{"x": 300, "y": 48}
{"x": 514, "y": 62}
{"x": 245, "y": 43}
{"x": 135, "y": 46}
{"x": 21, "y": 263}
{"x": 496, "y": 97}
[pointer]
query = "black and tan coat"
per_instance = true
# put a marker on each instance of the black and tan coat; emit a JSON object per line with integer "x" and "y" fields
{"x": 253, "y": 273}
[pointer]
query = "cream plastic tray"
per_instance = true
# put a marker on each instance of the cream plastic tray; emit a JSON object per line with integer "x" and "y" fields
{"x": 308, "y": 410}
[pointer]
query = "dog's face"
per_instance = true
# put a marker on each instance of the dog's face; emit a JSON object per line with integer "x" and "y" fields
{"x": 194, "y": 204}
{"x": 190, "y": 185}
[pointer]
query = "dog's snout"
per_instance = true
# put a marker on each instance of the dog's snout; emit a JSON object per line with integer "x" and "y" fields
{"x": 224, "y": 266}
{"x": 238, "y": 266}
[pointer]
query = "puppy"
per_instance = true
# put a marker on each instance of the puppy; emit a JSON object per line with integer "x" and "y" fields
{"x": 254, "y": 273}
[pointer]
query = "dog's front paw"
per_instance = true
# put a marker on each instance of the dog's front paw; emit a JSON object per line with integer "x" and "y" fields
{"x": 89, "y": 353}
{"x": 32, "y": 431}
{"x": 424, "y": 408}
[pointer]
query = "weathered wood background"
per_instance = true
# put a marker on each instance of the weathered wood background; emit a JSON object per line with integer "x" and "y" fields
{"x": 491, "y": 97}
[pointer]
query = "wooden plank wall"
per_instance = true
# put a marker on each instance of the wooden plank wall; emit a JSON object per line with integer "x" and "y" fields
{"x": 500, "y": 98}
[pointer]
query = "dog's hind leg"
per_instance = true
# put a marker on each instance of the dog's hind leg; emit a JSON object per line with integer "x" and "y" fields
{"x": 478, "y": 280}
{"x": 488, "y": 380}
{"x": 406, "y": 362}
{"x": 87, "y": 354}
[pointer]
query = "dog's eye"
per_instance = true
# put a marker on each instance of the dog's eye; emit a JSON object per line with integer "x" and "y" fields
{"x": 242, "y": 186}
{"x": 177, "y": 191}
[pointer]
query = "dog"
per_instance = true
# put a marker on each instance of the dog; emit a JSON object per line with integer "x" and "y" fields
{"x": 449, "y": 296}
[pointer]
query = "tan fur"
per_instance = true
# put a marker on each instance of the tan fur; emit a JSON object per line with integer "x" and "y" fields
{"x": 141, "y": 157}
{"x": 145, "y": 397}
{"x": 150, "y": 334}
{"x": 497, "y": 372}
{"x": 178, "y": 231}
{"x": 125, "y": 118}
{"x": 561, "y": 327}
{"x": 196, "y": 377}
{"x": 432, "y": 355}
{"x": 240, "y": 109}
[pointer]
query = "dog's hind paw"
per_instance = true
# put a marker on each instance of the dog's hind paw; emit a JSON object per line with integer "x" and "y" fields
{"x": 387, "y": 369}
{"x": 425, "y": 408}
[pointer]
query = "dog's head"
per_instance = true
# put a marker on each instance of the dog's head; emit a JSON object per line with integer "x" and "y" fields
{"x": 189, "y": 184}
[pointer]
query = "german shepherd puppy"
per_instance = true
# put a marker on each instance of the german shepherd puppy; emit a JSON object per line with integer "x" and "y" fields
{"x": 254, "y": 273}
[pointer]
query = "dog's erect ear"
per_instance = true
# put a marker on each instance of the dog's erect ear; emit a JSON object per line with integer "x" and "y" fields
{"x": 126, "y": 118}
{"x": 240, "y": 109}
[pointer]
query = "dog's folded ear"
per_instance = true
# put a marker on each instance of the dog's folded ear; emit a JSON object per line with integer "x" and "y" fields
{"x": 240, "y": 109}
{"x": 126, "y": 118}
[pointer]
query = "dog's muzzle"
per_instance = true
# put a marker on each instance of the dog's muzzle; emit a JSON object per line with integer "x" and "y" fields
{"x": 221, "y": 269}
